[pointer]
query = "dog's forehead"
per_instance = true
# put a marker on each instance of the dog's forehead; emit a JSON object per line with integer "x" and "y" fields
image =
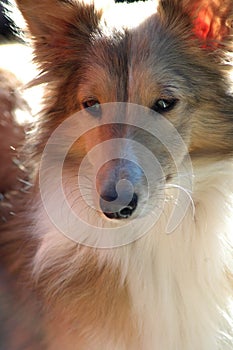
{"x": 114, "y": 47}
{"x": 134, "y": 43}
{"x": 132, "y": 61}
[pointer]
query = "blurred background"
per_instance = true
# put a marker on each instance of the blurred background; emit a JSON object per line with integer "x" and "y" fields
{"x": 8, "y": 31}
{"x": 7, "y": 27}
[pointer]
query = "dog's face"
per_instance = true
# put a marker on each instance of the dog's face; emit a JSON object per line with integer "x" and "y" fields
{"x": 172, "y": 63}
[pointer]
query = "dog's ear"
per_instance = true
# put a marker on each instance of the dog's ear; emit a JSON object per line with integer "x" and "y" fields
{"x": 61, "y": 29}
{"x": 211, "y": 21}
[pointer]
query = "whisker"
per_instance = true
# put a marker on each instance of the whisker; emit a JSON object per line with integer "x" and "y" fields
{"x": 188, "y": 193}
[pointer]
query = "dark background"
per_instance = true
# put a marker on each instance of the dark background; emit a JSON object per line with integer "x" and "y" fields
{"x": 7, "y": 28}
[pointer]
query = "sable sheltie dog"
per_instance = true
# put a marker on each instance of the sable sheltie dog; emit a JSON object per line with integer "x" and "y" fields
{"x": 105, "y": 280}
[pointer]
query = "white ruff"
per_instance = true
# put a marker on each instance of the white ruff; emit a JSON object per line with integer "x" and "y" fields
{"x": 179, "y": 285}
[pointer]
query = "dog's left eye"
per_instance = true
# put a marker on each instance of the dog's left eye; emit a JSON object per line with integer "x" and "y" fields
{"x": 163, "y": 105}
{"x": 93, "y": 107}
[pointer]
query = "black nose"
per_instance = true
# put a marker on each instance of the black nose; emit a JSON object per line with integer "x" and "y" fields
{"x": 116, "y": 211}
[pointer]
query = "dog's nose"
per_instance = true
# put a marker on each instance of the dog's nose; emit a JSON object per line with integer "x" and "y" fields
{"x": 117, "y": 211}
{"x": 118, "y": 188}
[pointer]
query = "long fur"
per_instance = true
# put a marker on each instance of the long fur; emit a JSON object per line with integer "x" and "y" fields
{"x": 164, "y": 292}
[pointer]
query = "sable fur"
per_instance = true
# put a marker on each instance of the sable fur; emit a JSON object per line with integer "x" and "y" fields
{"x": 160, "y": 292}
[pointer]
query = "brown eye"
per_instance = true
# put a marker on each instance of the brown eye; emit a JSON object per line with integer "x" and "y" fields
{"x": 93, "y": 107}
{"x": 163, "y": 105}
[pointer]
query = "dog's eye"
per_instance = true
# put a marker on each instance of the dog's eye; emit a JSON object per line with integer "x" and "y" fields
{"x": 163, "y": 105}
{"x": 93, "y": 107}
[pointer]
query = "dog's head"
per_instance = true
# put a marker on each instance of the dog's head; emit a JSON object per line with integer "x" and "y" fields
{"x": 175, "y": 63}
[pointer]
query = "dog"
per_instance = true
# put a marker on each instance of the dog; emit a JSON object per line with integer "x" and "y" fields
{"x": 136, "y": 97}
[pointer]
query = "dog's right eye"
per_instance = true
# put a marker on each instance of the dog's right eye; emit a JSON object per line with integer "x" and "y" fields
{"x": 164, "y": 105}
{"x": 93, "y": 107}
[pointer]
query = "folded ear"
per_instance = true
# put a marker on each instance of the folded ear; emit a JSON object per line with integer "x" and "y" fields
{"x": 211, "y": 20}
{"x": 61, "y": 29}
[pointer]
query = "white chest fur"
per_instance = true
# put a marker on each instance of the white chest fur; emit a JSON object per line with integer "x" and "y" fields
{"x": 179, "y": 285}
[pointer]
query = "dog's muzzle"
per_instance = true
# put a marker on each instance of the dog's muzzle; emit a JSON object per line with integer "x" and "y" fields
{"x": 117, "y": 186}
